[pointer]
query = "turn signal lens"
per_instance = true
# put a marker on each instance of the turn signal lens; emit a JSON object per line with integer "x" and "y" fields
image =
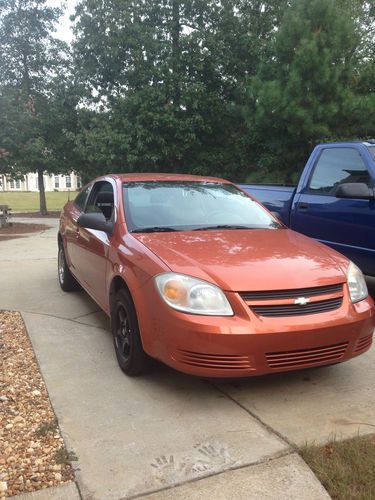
{"x": 175, "y": 291}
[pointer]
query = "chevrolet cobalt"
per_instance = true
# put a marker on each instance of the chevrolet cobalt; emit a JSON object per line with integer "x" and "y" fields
{"x": 197, "y": 274}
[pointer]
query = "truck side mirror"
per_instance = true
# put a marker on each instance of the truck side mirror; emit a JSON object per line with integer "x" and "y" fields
{"x": 358, "y": 190}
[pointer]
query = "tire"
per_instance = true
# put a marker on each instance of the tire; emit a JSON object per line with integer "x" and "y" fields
{"x": 67, "y": 281}
{"x": 130, "y": 355}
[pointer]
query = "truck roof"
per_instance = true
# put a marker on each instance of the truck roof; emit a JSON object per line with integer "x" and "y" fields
{"x": 367, "y": 142}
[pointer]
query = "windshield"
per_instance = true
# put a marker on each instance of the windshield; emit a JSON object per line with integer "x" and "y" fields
{"x": 154, "y": 206}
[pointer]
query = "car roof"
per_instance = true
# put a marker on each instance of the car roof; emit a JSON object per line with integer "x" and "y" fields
{"x": 139, "y": 177}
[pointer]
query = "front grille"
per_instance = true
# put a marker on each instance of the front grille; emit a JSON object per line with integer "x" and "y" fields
{"x": 288, "y": 294}
{"x": 306, "y": 357}
{"x": 363, "y": 343}
{"x": 297, "y": 310}
{"x": 213, "y": 361}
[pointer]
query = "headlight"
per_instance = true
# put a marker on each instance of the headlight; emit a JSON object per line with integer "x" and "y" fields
{"x": 192, "y": 295}
{"x": 356, "y": 283}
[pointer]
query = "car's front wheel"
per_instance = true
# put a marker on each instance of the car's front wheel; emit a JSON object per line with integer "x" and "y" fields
{"x": 66, "y": 280}
{"x": 128, "y": 345}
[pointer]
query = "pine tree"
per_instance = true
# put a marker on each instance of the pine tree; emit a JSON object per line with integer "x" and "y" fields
{"x": 307, "y": 92}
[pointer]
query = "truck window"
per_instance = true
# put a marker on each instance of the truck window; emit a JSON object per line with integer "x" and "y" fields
{"x": 372, "y": 151}
{"x": 337, "y": 166}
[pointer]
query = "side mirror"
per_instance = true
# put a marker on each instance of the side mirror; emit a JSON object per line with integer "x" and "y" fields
{"x": 95, "y": 220}
{"x": 358, "y": 190}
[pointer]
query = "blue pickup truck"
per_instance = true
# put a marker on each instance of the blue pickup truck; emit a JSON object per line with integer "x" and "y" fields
{"x": 334, "y": 201}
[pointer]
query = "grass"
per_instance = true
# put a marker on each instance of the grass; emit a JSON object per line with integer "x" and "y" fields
{"x": 46, "y": 427}
{"x": 29, "y": 202}
{"x": 65, "y": 457}
{"x": 345, "y": 468}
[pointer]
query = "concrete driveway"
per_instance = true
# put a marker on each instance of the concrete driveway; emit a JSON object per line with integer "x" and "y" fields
{"x": 224, "y": 439}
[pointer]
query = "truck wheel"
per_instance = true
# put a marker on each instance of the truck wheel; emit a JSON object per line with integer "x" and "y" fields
{"x": 67, "y": 281}
{"x": 125, "y": 330}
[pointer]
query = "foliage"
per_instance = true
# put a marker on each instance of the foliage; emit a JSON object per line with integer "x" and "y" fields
{"x": 237, "y": 88}
{"x": 37, "y": 99}
{"x": 168, "y": 88}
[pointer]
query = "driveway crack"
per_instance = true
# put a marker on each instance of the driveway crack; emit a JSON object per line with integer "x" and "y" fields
{"x": 65, "y": 319}
{"x": 85, "y": 315}
{"x": 255, "y": 416}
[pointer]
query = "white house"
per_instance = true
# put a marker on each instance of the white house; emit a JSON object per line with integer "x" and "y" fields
{"x": 69, "y": 182}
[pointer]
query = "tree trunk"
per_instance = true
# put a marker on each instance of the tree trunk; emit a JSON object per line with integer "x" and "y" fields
{"x": 176, "y": 56}
{"x": 42, "y": 193}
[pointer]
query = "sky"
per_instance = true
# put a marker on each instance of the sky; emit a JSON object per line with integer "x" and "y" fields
{"x": 64, "y": 29}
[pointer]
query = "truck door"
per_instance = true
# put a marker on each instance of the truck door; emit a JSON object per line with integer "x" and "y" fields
{"x": 348, "y": 225}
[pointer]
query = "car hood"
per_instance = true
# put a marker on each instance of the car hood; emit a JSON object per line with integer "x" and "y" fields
{"x": 245, "y": 260}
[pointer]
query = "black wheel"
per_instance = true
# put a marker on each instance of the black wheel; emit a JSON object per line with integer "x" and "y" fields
{"x": 67, "y": 281}
{"x": 128, "y": 345}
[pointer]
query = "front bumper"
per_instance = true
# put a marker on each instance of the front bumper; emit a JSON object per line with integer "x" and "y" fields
{"x": 246, "y": 344}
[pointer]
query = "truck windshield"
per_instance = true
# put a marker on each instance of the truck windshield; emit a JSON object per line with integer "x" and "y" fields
{"x": 154, "y": 206}
{"x": 372, "y": 151}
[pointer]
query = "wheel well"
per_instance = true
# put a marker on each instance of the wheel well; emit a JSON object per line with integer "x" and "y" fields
{"x": 117, "y": 284}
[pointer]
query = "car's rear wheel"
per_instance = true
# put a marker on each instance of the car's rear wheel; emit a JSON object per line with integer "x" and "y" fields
{"x": 128, "y": 345}
{"x": 66, "y": 280}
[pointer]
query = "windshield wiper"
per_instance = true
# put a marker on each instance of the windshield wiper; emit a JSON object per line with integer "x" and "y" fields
{"x": 223, "y": 226}
{"x": 154, "y": 229}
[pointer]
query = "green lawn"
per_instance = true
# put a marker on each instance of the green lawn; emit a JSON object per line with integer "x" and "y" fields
{"x": 29, "y": 202}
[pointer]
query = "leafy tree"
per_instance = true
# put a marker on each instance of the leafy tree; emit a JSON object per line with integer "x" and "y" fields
{"x": 168, "y": 80}
{"x": 35, "y": 91}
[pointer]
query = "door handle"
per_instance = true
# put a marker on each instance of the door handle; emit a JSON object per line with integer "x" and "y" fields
{"x": 303, "y": 205}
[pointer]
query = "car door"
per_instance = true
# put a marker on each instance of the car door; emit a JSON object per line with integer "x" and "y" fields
{"x": 71, "y": 229}
{"x": 348, "y": 225}
{"x": 92, "y": 246}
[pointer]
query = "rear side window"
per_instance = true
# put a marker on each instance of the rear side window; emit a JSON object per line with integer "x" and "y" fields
{"x": 82, "y": 197}
{"x": 337, "y": 166}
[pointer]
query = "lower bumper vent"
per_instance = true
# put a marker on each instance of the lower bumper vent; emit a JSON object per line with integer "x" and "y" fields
{"x": 213, "y": 361}
{"x": 306, "y": 357}
{"x": 363, "y": 343}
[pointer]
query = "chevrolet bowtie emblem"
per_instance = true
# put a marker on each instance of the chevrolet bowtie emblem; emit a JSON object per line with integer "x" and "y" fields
{"x": 302, "y": 301}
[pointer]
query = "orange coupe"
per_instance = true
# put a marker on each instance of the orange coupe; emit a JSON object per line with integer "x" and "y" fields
{"x": 195, "y": 273}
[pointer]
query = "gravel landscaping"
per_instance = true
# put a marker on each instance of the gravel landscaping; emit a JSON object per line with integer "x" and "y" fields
{"x": 32, "y": 451}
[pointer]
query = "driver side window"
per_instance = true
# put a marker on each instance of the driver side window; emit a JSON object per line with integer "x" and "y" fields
{"x": 101, "y": 199}
{"x": 337, "y": 166}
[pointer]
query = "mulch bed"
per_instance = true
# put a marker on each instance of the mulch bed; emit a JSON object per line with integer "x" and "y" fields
{"x": 20, "y": 228}
{"x": 10, "y": 237}
{"x": 33, "y": 215}
{"x": 32, "y": 451}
